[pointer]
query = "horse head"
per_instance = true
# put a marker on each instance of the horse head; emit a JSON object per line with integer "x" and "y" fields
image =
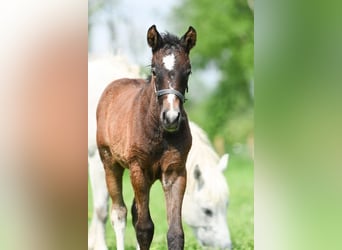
{"x": 170, "y": 70}
{"x": 205, "y": 211}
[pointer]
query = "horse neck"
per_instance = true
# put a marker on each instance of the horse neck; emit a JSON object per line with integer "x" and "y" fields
{"x": 151, "y": 109}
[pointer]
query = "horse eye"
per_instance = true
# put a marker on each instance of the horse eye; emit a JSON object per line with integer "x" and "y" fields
{"x": 208, "y": 212}
{"x": 153, "y": 71}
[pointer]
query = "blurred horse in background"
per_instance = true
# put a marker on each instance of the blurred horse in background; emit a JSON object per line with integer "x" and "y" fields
{"x": 206, "y": 197}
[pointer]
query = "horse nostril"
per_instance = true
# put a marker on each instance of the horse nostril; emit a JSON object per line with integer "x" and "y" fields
{"x": 178, "y": 116}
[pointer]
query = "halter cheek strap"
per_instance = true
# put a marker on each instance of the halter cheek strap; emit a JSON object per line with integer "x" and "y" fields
{"x": 170, "y": 91}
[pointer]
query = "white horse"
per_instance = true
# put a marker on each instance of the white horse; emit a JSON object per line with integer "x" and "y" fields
{"x": 206, "y": 198}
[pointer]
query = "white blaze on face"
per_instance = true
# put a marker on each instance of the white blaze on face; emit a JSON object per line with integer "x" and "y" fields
{"x": 172, "y": 113}
{"x": 171, "y": 98}
{"x": 169, "y": 61}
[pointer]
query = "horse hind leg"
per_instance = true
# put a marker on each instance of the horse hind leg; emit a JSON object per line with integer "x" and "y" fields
{"x": 96, "y": 233}
{"x": 118, "y": 213}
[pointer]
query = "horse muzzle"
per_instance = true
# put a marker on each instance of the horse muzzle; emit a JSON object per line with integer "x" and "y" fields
{"x": 171, "y": 115}
{"x": 171, "y": 120}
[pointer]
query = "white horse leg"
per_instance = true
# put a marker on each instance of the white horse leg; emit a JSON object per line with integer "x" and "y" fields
{"x": 114, "y": 173}
{"x": 119, "y": 224}
{"x": 96, "y": 234}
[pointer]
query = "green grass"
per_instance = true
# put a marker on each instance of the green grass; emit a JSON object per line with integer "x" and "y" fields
{"x": 240, "y": 176}
{"x": 240, "y": 213}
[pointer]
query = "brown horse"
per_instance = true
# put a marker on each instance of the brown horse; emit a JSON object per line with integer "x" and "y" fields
{"x": 142, "y": 126}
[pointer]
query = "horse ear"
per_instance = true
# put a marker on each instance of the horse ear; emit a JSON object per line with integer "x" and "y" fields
{"x": 223, "y": 163}
{"x": 189, "y": 39}
{"x": 154, "y": 39}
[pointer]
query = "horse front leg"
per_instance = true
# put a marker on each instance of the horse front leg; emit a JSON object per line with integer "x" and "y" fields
{"x": 141, "y": 217}
{"x": 174, "y": 183}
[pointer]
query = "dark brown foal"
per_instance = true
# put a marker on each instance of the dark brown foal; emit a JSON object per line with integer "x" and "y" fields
{"x": 142, "y": 126}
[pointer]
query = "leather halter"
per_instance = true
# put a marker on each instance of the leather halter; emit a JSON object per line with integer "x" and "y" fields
{"x": 170, "y": 91}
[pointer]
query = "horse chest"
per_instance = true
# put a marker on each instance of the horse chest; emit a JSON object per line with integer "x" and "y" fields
{"x": 158, "y": 152}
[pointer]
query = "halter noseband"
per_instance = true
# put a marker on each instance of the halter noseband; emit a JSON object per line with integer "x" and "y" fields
{"x": 170, "y": 91}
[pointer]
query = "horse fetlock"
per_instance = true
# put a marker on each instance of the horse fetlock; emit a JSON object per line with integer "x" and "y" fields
{"x": 144, "y": 232}
{"x": 175, "y": 239}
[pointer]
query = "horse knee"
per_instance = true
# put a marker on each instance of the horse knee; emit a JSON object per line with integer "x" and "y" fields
{"x": 118, "y": 215}
{"x": 175, "y": 239}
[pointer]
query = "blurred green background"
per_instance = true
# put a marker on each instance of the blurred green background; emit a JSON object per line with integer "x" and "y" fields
{"x": 220, "y": 98}
{"x": 224, "y": 107}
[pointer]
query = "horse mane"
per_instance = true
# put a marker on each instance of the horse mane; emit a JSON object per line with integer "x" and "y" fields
{"x": 203, "y": 154}
{"x": 170, "y": 40}
{"x": 202, "y": 146}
